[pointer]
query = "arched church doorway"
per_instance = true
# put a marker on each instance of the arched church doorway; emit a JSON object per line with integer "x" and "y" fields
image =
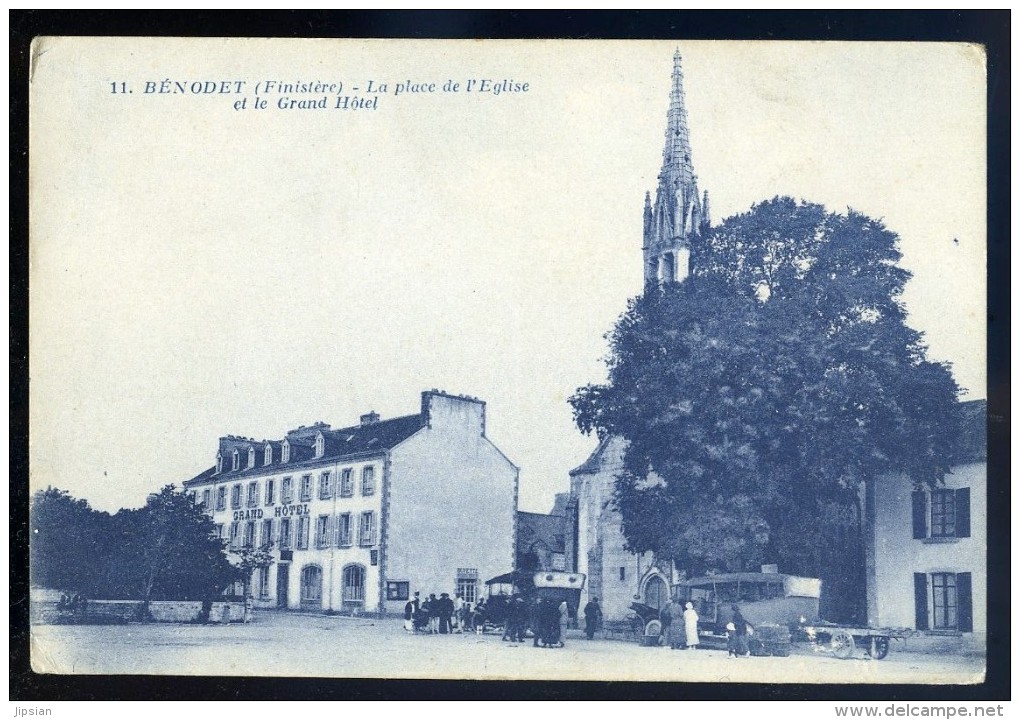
{"x": 656, "y": 592}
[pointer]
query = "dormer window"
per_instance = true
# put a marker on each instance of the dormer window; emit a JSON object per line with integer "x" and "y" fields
{"x": 251, "y": 457}
{"x": 219, "y": 463}
{"x": 237, "y": 460}
{"x": 285, "y": 451}
{"x": 320, "y": 445}
{"x": 269, "y": 454}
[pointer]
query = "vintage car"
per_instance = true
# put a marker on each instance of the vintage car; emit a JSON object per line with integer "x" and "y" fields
{"x": 771, "y": 602}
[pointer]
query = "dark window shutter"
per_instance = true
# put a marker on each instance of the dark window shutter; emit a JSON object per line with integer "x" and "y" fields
{"x": 920, "y": 505}
{"x": 921, "y": 601}
{"x": 963, "y": 512}
{"x": 964, "y": 605}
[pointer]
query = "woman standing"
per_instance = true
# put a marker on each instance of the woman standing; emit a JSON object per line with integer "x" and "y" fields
{"x": 691, "y": 626}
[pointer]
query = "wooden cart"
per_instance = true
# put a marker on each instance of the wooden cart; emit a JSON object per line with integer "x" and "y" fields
{"x": 842, "y": 641}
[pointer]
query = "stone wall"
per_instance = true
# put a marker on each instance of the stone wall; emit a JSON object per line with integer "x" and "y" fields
{"x": 119, "y": 612}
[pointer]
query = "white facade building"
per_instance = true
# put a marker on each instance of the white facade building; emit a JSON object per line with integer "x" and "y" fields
{"x": 359, "y": 518}
{"x": 927, "y": 551}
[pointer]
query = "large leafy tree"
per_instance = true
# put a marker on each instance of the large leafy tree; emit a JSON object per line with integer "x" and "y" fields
{"x": 166, "y": 550}
{"x": 758, "y": 396}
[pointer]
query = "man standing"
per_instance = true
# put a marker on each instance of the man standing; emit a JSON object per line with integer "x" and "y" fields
{"x": 592, "y": 618}
{"x": 409, "y": 616}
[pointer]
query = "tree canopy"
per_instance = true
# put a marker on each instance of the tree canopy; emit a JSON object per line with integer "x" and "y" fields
{"x": 165, "y": 550}
{"x": 758, "y": 395}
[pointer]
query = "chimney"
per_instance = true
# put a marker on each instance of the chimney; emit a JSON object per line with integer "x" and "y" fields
{"x": 369, "y": 418}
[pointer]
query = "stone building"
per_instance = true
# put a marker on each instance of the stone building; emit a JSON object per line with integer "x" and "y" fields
{"x": 673, "y": 226}
{"x": 360, "y": 517}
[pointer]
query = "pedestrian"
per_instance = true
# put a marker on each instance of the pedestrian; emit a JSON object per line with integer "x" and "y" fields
{"x": 740, "y": 629}
{"x": 465, "y": 617}
{"x": 445, "y": 611}
{"x": 479, "y": 617}
{"x": 672, "y": 627}
{"x": 432, "y": 608}
{"x": 592, "y": 618}
{"x": 564, "y": 620}
{"x": 409, "y": 616}
{"x": 417, "y": 601}
{"x": 691, "y": 626}
{"x": 458, "y": 611}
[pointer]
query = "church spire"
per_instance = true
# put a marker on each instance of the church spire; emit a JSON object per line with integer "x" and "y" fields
{"x": 676, "y": 155}
{"x": 678, "y": 217}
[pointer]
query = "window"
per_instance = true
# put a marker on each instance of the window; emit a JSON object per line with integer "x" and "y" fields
{"x": 267, "y": 534}
{"x": 253, "y": 494}
{"x": 263, "y": 583}
{"x": 235, "y": 529}
{"x": 943, "y": 602}
{"x": 235, "y": 496}
{"x": 941, "y": 515}
{"x": 347, "y": 483}
{"x": 943, "y": 590}
{"x": 237, "y": 459}
{"x": 251, "y": 457}
{"x": 249, "y": 534}
{"x": 219, "y": 463}
{"x": 285, "y": 533}
{"x": 285, "y": 451}
{"x": 344, "y": 530}
{"x": 268, "y": 455}
{"x": 398, "y": 590}
{"x": 270, "y": 492}
{"x": 325, "y": 486}
{"x": 320, "y": 445}
{"x": 366, "y": 531}
{"x": 368, "y": 481}
{"x": 206, "y": 497}
{"x": 467, "y": 584}
{"x": 353, "y": 584}
{"x": 219, "y": 530}
{"x": 221, "y": 497}
{"x": 322, "y": 531}
{"x": 306, "y": 488}
{"x": 287, "y": 491}
{"x": 311, "y": 584}
{"x": 302, "y": 532}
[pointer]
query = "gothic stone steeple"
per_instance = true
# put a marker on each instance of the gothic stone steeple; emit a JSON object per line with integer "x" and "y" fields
{"x": 679, "y": 216}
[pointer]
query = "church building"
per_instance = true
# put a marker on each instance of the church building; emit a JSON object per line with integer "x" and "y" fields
{"x": 673, "y": 226}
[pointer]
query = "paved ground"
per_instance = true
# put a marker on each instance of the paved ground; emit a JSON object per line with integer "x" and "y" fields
{"x": 320, "y": 646}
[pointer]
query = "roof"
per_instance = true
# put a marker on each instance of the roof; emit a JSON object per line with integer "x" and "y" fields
{"x": 536, "y": 527}
{"x": 972, "y": 441}
{"x": 348, "y": 443}
{"x": 594, "y": 462}
{"x": 734, "y": 577}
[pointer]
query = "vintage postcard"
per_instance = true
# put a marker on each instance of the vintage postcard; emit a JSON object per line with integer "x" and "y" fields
{"x": 560, "y": 360}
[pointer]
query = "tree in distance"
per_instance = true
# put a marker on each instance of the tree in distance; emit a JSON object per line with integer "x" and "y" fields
{"x": 166, "y": 550}
{"x": 757, "y": 397}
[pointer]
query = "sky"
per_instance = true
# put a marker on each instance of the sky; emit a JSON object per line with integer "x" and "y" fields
{"x": 198, "y": 271}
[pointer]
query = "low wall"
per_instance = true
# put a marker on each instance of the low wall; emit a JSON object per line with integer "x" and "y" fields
{"x": 118, "y": 612}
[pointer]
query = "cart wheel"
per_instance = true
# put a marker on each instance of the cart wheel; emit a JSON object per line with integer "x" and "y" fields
{"x": 879, "y": 647}
{"x": 842, "y": 644}
{"x": 653, "y": 627}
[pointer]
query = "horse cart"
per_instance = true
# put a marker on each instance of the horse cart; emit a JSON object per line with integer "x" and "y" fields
{"x": 842, "y": 641}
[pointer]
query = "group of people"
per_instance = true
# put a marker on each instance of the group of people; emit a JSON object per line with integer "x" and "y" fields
{"x": 75, "y": 602}
{"x": 680, "y": 625}
{"x": 443, "y": 615}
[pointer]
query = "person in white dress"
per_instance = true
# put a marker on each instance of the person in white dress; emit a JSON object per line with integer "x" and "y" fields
{"x": 691, "y": 626}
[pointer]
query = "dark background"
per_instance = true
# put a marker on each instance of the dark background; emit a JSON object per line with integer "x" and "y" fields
{"x": 990, "y": 28}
